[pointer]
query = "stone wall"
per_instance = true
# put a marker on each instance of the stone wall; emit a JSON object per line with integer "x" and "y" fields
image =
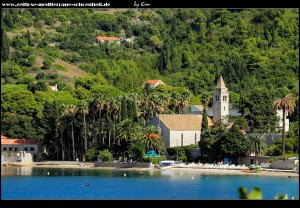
{"x": 285, "y": 164}
{"x": 16, "y": 157}
{"x": 252, "y": 159}
{"x": 123, "y": 164}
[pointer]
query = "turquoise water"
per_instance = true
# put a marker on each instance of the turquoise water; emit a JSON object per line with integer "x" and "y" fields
{"x": 68, "y": 183}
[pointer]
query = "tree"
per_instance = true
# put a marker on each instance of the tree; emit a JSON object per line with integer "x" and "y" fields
{"x": 257, "y": 145}
{"x": 232, "y": 143}
{"x": 4, "y": 45}
{"x": 128, "y": 131}
{"x": 287, "y": 104}
{"x": 152, "y": 139}
{"x": 82, "y": 110}
{"x": 70, "y": 112}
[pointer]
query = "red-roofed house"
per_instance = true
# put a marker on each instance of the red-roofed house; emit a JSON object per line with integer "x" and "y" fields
{"x": 103, "y": 39}
{"x": 14, "y": 150}
{"x": 53, "y": 87}
{"x": 153, "y": 83}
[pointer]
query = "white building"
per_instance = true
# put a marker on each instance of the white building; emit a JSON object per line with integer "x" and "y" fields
{"x": 153, "y": 83}
{"x": 53, "y": 87}
{"x": 178, "y": 129}
{"x": 287, "y": 123}
{"x": 221, "y": 104}
{"x": 18, "y": 150}
{"x": 220, "y": 100}
{"x": 109, "y": 40}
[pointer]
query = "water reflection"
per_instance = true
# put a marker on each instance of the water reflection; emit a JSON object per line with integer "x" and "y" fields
{"x": 16, "y": 171}
{"x": 52, "y": 172}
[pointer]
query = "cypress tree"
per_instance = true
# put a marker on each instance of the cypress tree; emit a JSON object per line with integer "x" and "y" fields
{"x": 204, "y": 125}
{"x": 5, "y": 46}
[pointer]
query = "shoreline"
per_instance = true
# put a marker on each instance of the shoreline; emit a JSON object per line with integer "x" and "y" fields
{"x": 206, "y": 171}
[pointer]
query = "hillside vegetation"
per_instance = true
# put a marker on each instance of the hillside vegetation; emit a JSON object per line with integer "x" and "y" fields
{"x": 255, "y": 50}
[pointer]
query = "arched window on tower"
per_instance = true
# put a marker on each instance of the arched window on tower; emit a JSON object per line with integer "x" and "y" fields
{"x": 217, "y": 98}
{"x": 225, "y": 98}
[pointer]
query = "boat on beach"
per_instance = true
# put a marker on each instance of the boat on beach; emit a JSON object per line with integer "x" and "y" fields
{"x": 166, "y": 164}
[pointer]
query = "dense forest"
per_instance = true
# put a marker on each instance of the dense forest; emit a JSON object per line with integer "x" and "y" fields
{"x": 100, "y": 85}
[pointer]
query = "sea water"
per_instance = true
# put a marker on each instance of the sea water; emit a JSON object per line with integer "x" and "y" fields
{"x": 98, "y": 184}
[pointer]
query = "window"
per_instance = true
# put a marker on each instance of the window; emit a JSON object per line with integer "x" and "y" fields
{"x": 31, "y": 149}
{"x": 195, "y": 138}
{"x": 10, "y": 149}
{"x": 217, "y": 98}
{"x": 16, "y": 149}
{"x": 224, "y": 108}
{"x": 26, "y": 149}
{"x": 4, "y": 149}
{"x": 224, "y": 98}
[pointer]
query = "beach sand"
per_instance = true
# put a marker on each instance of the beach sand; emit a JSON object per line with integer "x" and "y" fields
{"x": 267, "y": 172}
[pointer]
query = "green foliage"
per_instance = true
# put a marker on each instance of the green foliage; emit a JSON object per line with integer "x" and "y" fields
{"x": 47, "y": 63}
{"x": 91, "y": 154}
{"x": 60, "y": 68}
{"x": 18, "y": 126}
{"x": 107, "y": 90}
{"x": 256, "y": 194}
{"x": 177, "y": 153}
{"x": 136, "y": 151}
{"x": 155, "y": 160}
{"x": 106, "y": 156}
{"x": 4, "y": 45}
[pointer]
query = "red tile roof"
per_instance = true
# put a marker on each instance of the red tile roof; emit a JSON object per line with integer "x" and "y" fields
{"x": 152, "y": 81}
{"x": 3, "y": 137}
{"x": 107, "y": 38}
{"x": 5, "y": 140}
{"x": 242, "y": 131}
{"x": 181, "y": 122}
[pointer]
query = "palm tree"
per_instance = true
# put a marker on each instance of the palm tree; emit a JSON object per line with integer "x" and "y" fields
{"x": 70, "y": 112}
{"x": 152, "y": 139}
{"x": 82, "y": 110}
{"x": 61, "y": 126}
{"x": 127, "y": 131}
{"x": 287, "y": 104}
{"x": 257, "y": 145}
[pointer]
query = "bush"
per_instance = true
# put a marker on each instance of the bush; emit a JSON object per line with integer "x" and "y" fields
{"x": 137, "y": 151}
{"x": 155, "y": 160}
{"x": 47, "y": 64}
{"x": 106, "y": 156}
{"x": 91, "y": 154}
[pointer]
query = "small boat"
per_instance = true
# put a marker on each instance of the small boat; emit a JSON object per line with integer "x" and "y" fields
{"x": 165, "y": 164}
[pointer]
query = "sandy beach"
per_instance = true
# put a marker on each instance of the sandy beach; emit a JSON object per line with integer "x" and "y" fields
{"x": 265, "y": 172}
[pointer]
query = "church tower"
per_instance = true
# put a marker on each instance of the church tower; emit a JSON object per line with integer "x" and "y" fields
{"x": 220, "y": 100}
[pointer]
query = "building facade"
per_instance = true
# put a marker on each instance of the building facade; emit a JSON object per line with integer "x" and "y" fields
{"x": 287, "y": 123}
{"x": 153, "y": 83}
{"x": 19, "y": 150}
{"x": 178, "y": 130}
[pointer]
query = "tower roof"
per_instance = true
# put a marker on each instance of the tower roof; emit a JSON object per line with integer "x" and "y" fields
{"x": 220, "y": 84}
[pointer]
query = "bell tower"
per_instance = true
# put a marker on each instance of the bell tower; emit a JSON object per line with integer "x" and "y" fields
{"x": 220, "y": 100}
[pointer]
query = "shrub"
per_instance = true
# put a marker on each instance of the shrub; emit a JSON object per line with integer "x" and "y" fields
{"x": 47, "y": 63}
{"x": 106, "y": 156}
{"x": 91, "y": 154}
